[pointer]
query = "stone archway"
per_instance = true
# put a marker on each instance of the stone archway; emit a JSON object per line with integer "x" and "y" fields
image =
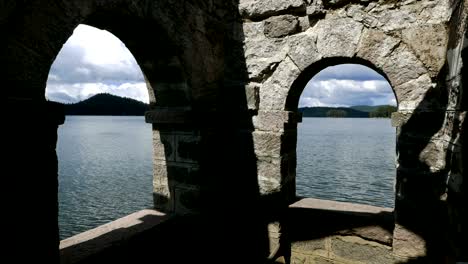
{"x": 287, "y": 44}
{"x": 180, "y": 54}
{"x": 239, "y": 60}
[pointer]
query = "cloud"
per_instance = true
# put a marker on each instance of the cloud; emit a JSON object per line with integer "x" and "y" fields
{"x": 96, "y": 61}
{"x": 343, "y": 85}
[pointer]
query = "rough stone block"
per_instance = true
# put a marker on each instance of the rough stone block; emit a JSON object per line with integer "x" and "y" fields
{"x": 262, "y": 54}
{"x": 412, "y": 94}
{"x": 275, "y": 121}
{"x": 402, "y": 66}
{"x": 264, "y": 8}
{"x": 269, "y": 170}
{"x": 269, "y": 187}
{"x": 302, "y": 49}
{"x": 429, "y": 42}
{"x": 338, "y": 37}
{"x": 392, "y": 19}
{"x": 376, "y": 46}
{"x": 280, "y": 26}
{"x": 267, "y": 144}
{"x": 274, "y": 91}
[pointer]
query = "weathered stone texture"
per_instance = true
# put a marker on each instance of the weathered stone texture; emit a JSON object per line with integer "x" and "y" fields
{"x": 411, "y": 94}
{"x": 353, "y": 248}
{"x": 309, "y": 246}
{"x": 402, "y": 66}
{"x": 376, "y": 46}
{"x": 262, "y": 54}
{"x": 267, "y": 144}
{"x": 274, "y": 91}
{"x": 263, "y": 8}
{"x": 407, "y": 243}
{"x": 270, "y": 170}
{"x": 316, "y": 8}
{"x": 331, "y": 39}
{"x": 194, "y": 50}
{"x": 303, "y": 50}
{"x": 275, "y": 120}
{"x": 429, "y": 42}
{"x": 280, "y": 26}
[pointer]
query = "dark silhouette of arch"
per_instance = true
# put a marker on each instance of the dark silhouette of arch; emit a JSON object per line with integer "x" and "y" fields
{"x": 292, "y": 100}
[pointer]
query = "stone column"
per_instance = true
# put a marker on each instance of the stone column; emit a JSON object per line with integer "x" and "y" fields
{"x": 175, "y": 161}
{"x": 275, "y": 139}
{"x": 30, "y": 201}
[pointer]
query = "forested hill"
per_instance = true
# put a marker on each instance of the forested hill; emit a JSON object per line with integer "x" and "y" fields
{"x": 107, "y": 104}
{"x": 367, "y": 111}
{"x": 332, "y": 112}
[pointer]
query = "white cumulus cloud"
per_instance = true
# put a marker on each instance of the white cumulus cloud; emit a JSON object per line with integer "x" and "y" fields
{"x": 347, "y": 85}
{"x": 94, "y": 61}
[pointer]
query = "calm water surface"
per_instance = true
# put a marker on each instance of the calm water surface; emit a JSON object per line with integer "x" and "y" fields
{"x": 105, "y": 170}
{"x": 105, "y": 166}
{"x": 347, "y": 159}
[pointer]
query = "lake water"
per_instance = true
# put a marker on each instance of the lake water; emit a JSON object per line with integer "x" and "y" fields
{"x": 105, "y": 166}
{"x": 347, "y": 159}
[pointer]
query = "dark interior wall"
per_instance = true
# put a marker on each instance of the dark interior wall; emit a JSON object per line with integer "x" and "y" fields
{"x": 191, "y": 55}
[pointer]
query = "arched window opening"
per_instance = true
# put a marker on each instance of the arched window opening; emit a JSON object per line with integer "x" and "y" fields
{"x": 104, "y": 148}
{"x": 346, "y": 144}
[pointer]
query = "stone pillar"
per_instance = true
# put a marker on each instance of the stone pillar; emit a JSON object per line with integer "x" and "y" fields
{"x": 30, "y": 201}
{"x": 275, "y": 139}
{"x": 176, "y": 181}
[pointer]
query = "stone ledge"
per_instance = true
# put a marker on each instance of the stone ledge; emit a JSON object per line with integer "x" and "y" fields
{"x": 91, "y": 242}
{"x": 368, "y": 222}
{"x": 311, "y": 203}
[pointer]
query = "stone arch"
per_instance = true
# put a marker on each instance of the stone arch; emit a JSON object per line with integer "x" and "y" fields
{"x": 165, "y": 78}
{"x": 172, "y": 63}
{"x": 333, "y": 40}
{"x": 342, "y": 40}
{"x": 292, "y": 100}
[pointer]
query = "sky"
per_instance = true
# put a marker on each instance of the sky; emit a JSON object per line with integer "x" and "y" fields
{"x": 94, "y": 61}
{"x": 347, "y": 85}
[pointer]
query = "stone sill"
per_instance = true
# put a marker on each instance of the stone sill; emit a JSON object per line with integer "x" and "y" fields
{"x": 91, "y": 242}
{"x": 317, "y": 219}
{"x": 312, "y": 203}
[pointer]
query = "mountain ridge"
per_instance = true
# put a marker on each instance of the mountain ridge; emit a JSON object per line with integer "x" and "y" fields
{"x": 107, "y": 105}
{"x": 113, "y": 105}
{"x": 366, "y": 112}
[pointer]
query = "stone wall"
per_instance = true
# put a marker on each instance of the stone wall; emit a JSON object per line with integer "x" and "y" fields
{"x": 416, "y": 46}
{"x": 224, "y": 79}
